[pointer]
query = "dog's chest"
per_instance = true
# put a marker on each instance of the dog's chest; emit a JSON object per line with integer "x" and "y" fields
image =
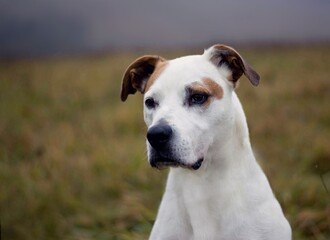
{"x": 209, "y": 207}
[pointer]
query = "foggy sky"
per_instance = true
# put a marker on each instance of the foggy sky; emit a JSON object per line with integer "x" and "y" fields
{"x": 41, "y": 27}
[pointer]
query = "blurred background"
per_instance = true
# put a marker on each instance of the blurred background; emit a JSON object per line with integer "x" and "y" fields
{"x": 72, "y": 156}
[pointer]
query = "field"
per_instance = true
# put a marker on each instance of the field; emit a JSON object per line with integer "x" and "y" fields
{"x": 73, "y": 161}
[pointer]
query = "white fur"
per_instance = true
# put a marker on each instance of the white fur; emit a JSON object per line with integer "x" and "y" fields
{"x": 229, "y": 197}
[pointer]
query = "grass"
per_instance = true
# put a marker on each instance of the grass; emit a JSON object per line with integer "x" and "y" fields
{"x": 72, "y": 156}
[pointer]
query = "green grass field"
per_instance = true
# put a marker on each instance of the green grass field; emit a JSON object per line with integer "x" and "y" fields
{"x": 73, "y": 161}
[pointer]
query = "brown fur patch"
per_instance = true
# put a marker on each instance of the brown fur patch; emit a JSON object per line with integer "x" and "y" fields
{"x": 209, "y": 87}
{"x": 159, "y": 68}
{"x": 213, "y": 87}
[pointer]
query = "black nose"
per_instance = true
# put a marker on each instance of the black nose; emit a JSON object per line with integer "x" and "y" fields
{"x": 159, "y": 135}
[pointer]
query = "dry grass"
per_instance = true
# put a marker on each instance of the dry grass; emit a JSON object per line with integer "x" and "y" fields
{"x": 72, "y": 157}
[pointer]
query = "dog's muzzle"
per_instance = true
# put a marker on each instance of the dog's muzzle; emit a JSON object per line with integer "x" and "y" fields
{"x": 159, "y": 137}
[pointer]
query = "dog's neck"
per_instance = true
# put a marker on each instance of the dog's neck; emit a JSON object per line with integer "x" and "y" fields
{"x": 236, "y": 148}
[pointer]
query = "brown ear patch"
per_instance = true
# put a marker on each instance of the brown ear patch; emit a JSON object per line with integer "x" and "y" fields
{"x": 160, "y": 67}
{"x": 137, "y": 75}
{"x": 223, "y": 54}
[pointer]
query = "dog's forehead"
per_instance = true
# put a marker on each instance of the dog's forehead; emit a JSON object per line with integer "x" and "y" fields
{"x": 178, "y": 73}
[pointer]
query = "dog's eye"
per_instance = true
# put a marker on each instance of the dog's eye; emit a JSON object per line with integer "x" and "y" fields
{"x": 150, "y": 103}
{"x": 198, "y": 98}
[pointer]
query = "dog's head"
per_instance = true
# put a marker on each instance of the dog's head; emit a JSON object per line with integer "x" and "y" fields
{"x": 187, "y": 102}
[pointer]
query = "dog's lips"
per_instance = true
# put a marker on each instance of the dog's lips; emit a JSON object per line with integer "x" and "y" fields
{"x": 162, "y": 163}
{"x": 197, "y": 164}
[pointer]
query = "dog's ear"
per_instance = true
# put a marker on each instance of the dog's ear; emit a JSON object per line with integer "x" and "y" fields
{"x": 137, "y": 75}
{"x": 222, "y": 54}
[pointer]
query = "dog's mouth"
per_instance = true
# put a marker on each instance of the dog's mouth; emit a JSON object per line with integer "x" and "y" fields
{"x": 162, "y": 163}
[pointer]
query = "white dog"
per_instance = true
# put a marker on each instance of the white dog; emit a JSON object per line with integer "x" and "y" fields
{"x": 196, "y": 126}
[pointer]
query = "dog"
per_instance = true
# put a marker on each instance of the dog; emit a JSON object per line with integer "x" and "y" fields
{"x": 197, "y": 127}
